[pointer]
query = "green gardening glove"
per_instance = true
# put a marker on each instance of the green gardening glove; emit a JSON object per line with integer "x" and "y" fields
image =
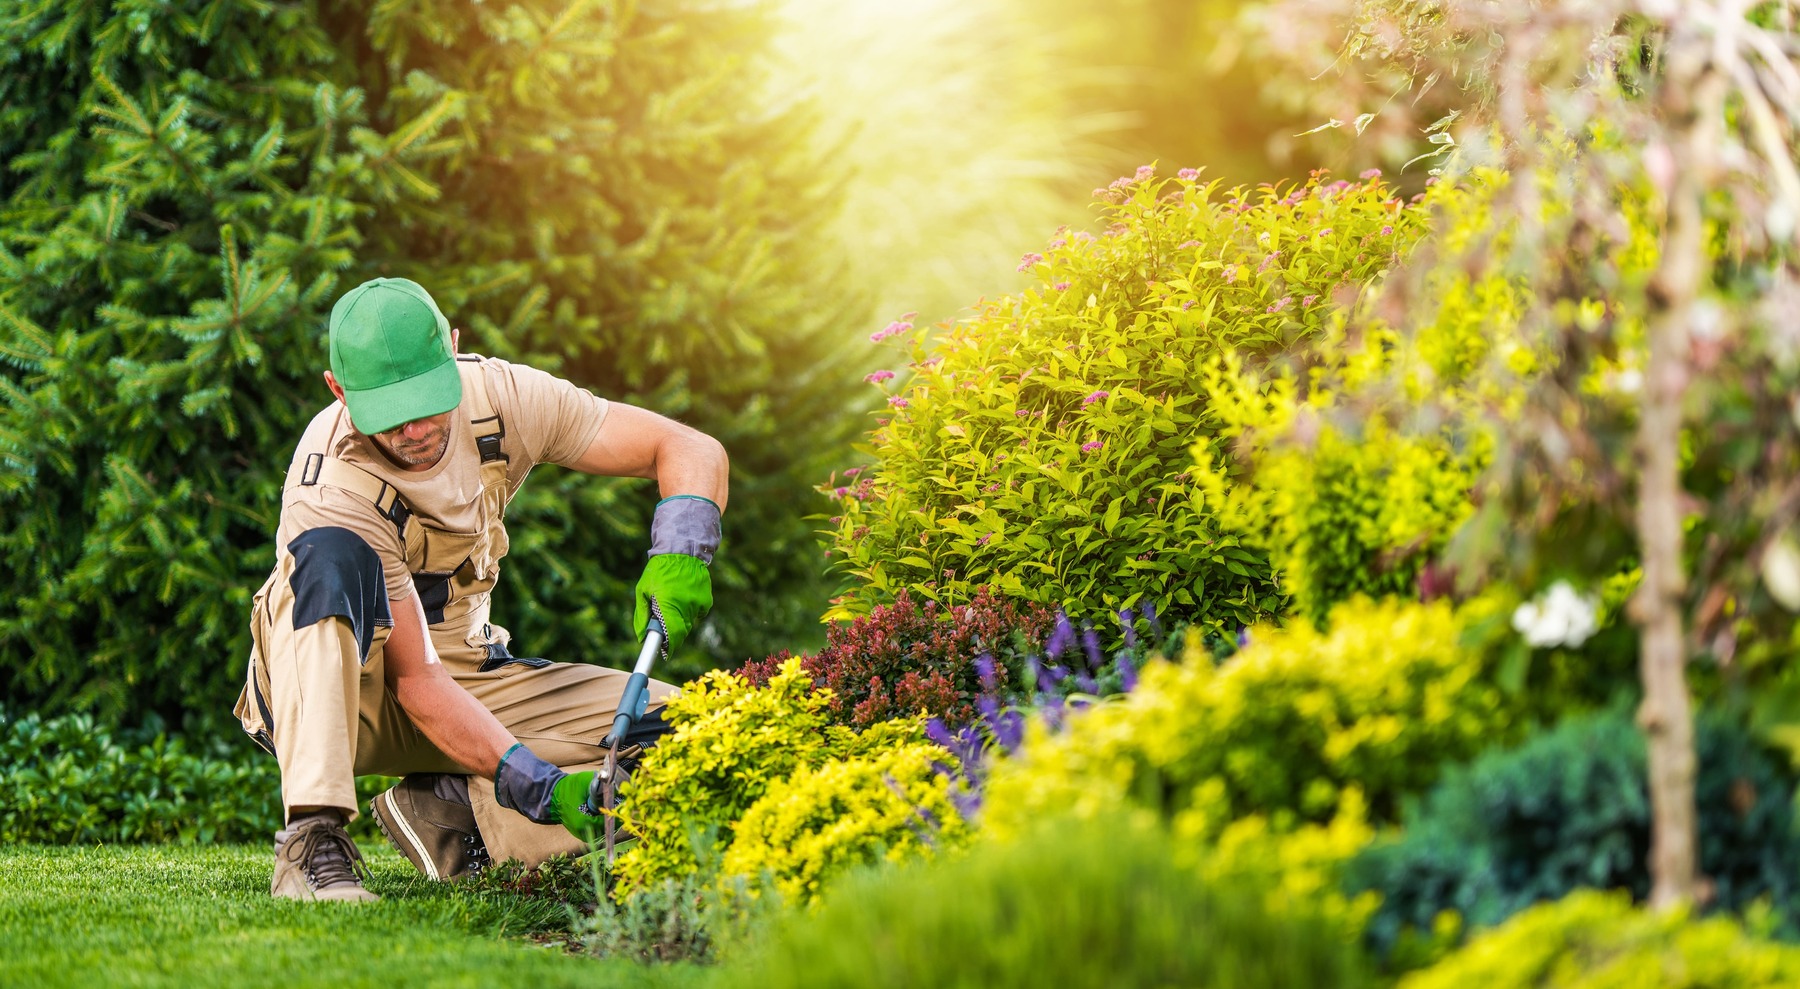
{"x": 682, "y": 587}
{"x": 566, "y": 800}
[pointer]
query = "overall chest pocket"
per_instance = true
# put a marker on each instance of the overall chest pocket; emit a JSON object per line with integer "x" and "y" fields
{"x": 434, "y": 553}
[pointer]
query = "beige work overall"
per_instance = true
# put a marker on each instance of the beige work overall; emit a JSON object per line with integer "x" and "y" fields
{"x": 322, "y": 706}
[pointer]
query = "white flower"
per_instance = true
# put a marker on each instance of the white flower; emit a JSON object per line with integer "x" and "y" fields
{"x": 1558, "y": 617}
{"x": 1781, "y": 572}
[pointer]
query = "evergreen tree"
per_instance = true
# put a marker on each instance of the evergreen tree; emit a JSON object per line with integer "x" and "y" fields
{"x": 613, "y": 194}
{"x": 189, "y": 187}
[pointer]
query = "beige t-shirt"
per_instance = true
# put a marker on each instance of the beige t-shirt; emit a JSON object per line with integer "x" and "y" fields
{"x": 451, "y": 552}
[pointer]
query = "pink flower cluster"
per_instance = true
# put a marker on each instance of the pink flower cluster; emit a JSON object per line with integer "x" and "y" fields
{"x": 893, "y": 329}
{"x": 1090, "y": 447}
{"x": 1095, "y": 397}
{"x": 878, "y": 377}
{"x": 1028, "y": 260}
{"x": 1189, "y": 174}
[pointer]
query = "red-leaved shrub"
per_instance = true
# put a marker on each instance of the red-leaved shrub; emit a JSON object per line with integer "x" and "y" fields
{"x": 903, "y": 659}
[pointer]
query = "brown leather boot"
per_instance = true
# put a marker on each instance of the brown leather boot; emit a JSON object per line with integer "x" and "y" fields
{"x": 316, "y": 860}
{"x": 427, "y": 816}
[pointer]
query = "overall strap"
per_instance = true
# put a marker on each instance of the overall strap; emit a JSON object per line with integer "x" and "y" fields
{"x": 489, "y": 428}
{"x": 342, "y": 474}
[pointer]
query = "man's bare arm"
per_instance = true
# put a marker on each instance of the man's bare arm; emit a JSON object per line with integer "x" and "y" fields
{"x": 635, "y": 442}
{"x": 451, "y": 718}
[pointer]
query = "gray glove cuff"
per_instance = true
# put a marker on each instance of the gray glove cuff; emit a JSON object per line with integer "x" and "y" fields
{"x": 685, "y": 524}
{"x": 524, "y": 782}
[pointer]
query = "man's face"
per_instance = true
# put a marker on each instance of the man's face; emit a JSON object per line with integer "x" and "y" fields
{"x": 419, "y": 443}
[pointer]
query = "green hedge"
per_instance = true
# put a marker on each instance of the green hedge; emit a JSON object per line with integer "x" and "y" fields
{"x": 75, "y": 780}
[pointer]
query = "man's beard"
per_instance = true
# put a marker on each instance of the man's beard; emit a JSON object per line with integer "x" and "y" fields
{"x": 424, "y": 452}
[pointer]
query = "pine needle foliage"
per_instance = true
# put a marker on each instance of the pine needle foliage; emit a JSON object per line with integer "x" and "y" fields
{"x": 189, "y": 186}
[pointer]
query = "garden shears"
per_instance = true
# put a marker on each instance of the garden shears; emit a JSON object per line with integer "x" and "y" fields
{"x": 603, "y": 793}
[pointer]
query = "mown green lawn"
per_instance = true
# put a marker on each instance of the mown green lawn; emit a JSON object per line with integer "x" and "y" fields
{"x": 119, "y": 916}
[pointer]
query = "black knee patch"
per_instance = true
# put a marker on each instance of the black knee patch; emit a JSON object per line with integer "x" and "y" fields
{"x": 337, "y": 575}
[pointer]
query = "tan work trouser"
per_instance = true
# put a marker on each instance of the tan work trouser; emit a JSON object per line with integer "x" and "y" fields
{"x": 329, "y": 717}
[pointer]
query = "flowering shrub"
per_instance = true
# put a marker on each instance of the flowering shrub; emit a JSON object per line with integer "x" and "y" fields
{"x": 888, "y": 806}
{"x": 1598, "y": 941}
{"x": 1041, "y": 448}
{"x": 731, "y": 742}
{"x": 903, "y": 659}
{"x": 1286, "y": 728}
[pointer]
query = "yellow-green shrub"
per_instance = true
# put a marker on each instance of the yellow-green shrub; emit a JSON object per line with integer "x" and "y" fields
{"x": 1285, "y": 728}
{"x": 1041, "y": 447}
{"x": 822, "y": 820}
{"x": 1599, "y": 941}
{"x": 1352, "y": 469}
{"x": 731, "y": 742}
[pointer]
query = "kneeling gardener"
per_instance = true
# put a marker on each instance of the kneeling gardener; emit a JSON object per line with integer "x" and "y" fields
{"x": 372, "y": 647}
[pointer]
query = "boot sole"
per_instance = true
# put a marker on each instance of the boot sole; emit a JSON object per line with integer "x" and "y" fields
{"x": 416, "y": 856}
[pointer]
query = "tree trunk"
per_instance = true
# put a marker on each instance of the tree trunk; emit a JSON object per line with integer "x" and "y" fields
{"x": 1692, "y": 101}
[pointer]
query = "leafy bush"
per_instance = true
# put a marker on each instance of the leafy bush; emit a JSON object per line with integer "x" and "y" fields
{"x": 1287, "y": 728}
{"x": 902, "y": 659}
{"x": 70, "y": 780}
{"x": 1570, "y": 809}
{"x": 1596, "y": 940}
{"x": 731, "y": 742}
{"x": 73, "y": 780}
{"x": 1099, "y": 903}
{"x": 1041, "y": 448}
{"x": 1353, "y": 467}
{"x": 889, "y": 806}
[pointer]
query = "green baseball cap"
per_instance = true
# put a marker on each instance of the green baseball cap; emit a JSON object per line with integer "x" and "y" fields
{"x": 390, "y": 352}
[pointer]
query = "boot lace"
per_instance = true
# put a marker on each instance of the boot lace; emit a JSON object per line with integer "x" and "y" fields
{"x": 327, "y": 855}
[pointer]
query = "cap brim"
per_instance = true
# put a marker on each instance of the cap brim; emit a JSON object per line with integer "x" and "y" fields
{"x": 431, "y": 393}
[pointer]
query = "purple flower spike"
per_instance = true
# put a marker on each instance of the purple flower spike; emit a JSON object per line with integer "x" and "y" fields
{"x": 966, "y": 802}
{"x": 1243, "y": 636}
{"x": 939, "y": 733}
{"x": 1130, "y": 627}
{"x": 1009, "y": 731}
{"x": 989, "y": 706}
{"x": 1150, "y": 619}
{"x": 984, "y": 668}
{"x": 1062, "y": 638}
{"x": 1049, "y": 677}
{"x": 1053, "y": 713}
{"x": 1087, "y": 684}
{"x": 1090, "y": 643}
{"x": 1127, "y": 673}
